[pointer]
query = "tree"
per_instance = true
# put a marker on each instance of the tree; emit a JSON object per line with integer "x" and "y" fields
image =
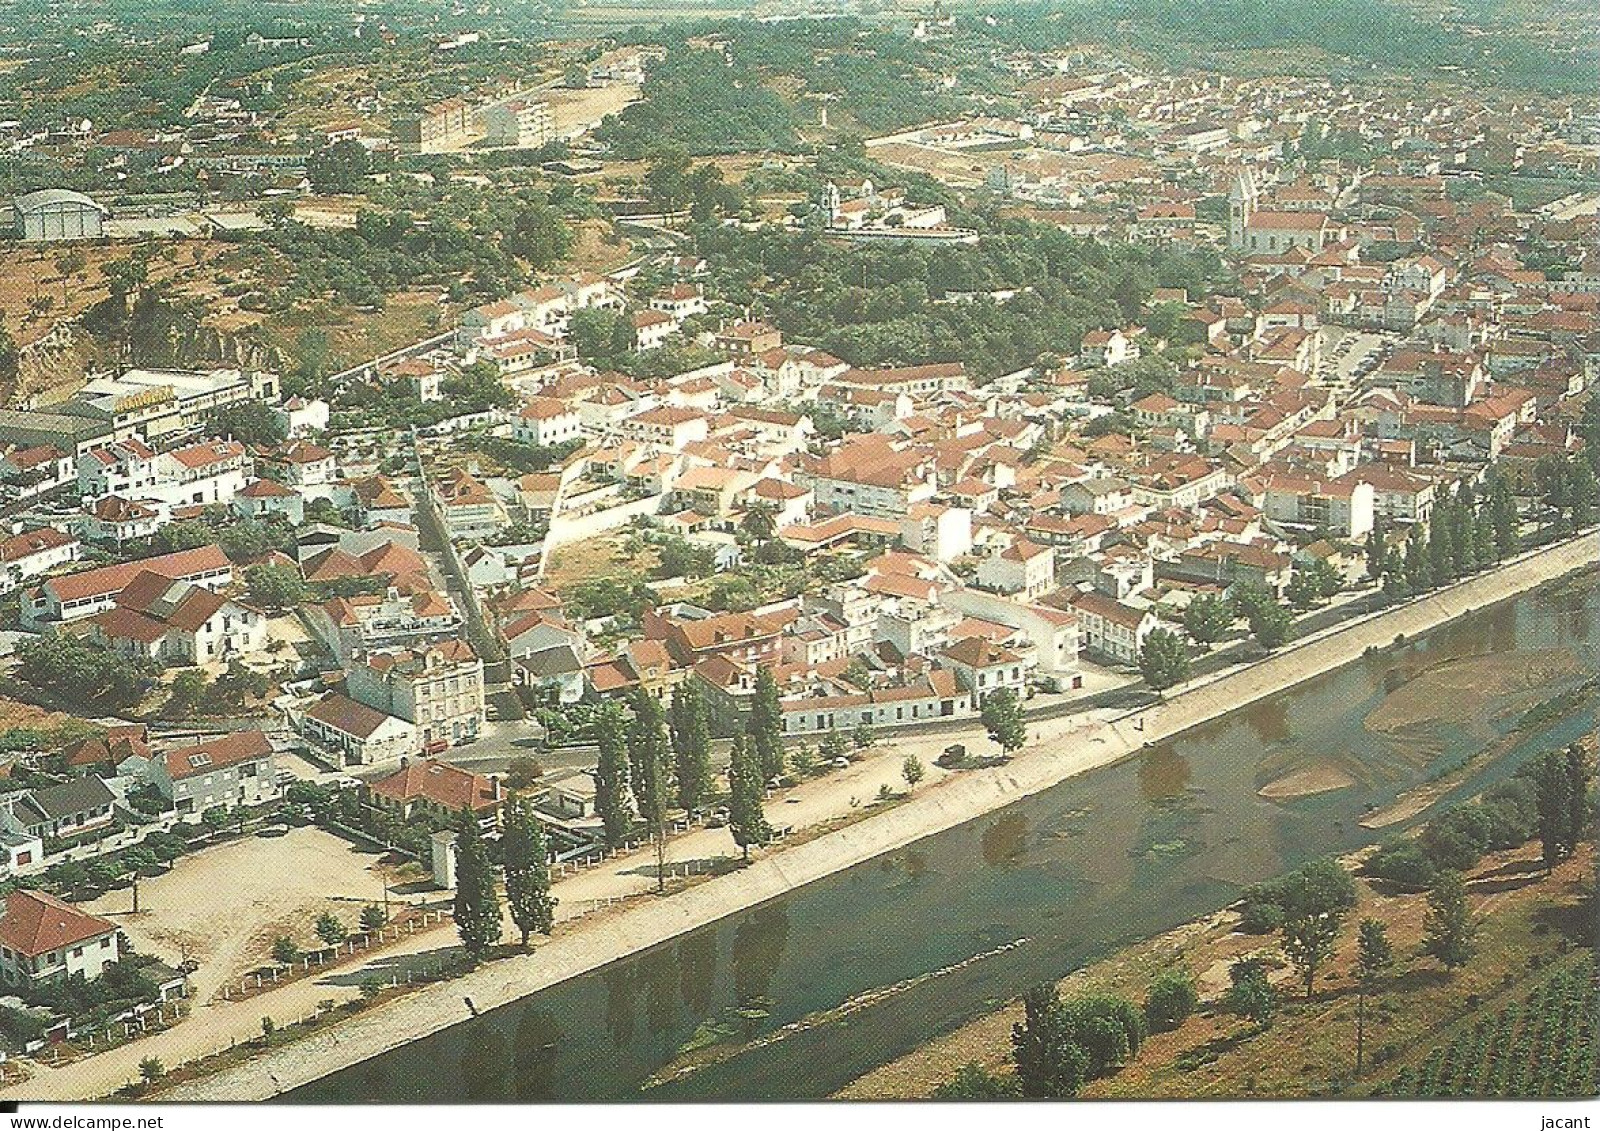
{"x": 746, "y": 793}
{"x": 911, "y": 770}
{"x": 284, "y": 951}
{"x": 1270, "y": 625}
{"x": 611, "y": 775}
{"x": 527, "y": 868}
{"x": 1577, "y": 768}
{"x": 1002, "y": 718}
{"x": 1207, "y": 619}
{"x": 650, "y": 773}
{"x": 1581, "y": 492}
{"x": 1049, "y": 1064}
{"x": 82, "y": 673}
{"x": 1308, "y": 940}
{"x": 1250, "y": 994}
{"x": 151, "y": 1069}
{"x": 766, "y": 727}
{"x": 1503, "y": 515}
{"x": 833, "y": 746}
{"x": 691, "y": 744}
{"x": 274, "y": 586}
{"x": 250, "y": 422}
{"x": 1554, "y": 799}
{"x": 268, "y": 1027}
{"x": 1374, "y": 956}
{"x": 477, "y": 904}
{"x": 330, "y": 930}
{"x": 1377, "y": 550}
{"x": 1171, "y": 999}
{"x": 372, "y": 917}
{"x": 1448, "y": 929}
{"x": 340, "y": 167}
{"x": 1164, "y": 659}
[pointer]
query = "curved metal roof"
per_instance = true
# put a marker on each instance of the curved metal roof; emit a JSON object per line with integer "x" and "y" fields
{"x": 42, "y": 198}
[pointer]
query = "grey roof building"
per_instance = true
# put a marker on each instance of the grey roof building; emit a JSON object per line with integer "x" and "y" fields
{"x": 58, "y": 214}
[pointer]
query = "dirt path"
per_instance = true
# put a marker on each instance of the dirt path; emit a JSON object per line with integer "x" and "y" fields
{"x": 1060, "y": 748}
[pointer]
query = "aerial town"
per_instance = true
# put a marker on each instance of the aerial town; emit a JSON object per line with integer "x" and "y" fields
{"x": 467, "y": 490}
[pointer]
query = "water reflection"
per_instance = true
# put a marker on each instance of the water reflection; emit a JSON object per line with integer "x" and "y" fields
{"x": 1120, "y": 853}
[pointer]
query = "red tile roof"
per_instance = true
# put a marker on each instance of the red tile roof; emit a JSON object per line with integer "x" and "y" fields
{"x": 35, "y": 923}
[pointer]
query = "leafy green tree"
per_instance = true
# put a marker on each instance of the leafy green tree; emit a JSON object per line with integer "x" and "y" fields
{"x": 1002, "y": 718}
{"x": 611, "y": 799}
{"x": 1507, "y": 523}
{"x": 766, "y": 726}
{"x": 527, "y": 868}
{"x": 691, "y": 745}
{"x": 650, "y": 773}
{"x": 330, "y": 930}
{"x": 339, "y": 168}
{"x": 1374, "y": 957}
{"x": 477, "y": 903}
{"x": 746, "y": 794}
{"x": 1250, "y": 994}
{"x": 1207, "y": 619}
{"x": 82, "y": 673}
{"x": 1555, "y": 800}
{"x": 151, "y": 1069}
{"x": 911, "y": 770}
{"x": 372, "y": 917}
{"x": 1171, "y": 999}
{"x": 1050, "y": 1065}
{"x": 1578, "y": 806}
{"x": 1377, "y": 550}
{"x": 1448, "y": 930}
{"x": 1164, "y": 659}
{"x": 833, "y": 746}
{"x": 250, "y": 422}
{"x": 1581, "y": 493}
{"x": 1270, "y": 625}
{"x": 274, "y": 586}
{"x": 1308, "y": 940}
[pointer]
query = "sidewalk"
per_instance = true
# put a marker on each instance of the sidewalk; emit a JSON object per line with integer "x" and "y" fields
{"x": 1059, "y": 749}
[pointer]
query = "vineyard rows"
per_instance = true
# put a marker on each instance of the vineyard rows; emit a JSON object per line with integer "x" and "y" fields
{"x": 1544, "y": 1045}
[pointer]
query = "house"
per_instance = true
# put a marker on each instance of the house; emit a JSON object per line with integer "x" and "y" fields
{"x": 44, "y": 939}
{"x": 984, "y": 667}
{"x": 179, "y": 622}
{"x": 359, "y": 734}
{"x": 935, "y": 695}
{"x": 117, "y": 520}
{"x": 651, "y": 329}
{"x": 471, "y": 510}
{"x": 430, "y": 786}
{"x": 301, "y": 417}
{"x": 437, "y": 687}
{"x": 667, "y": 426}
{"x": 557, "y": 671}
{"x": 34, "y": 553}
{"x": 66, "y": 809}
{"x": 1105, "y": 348}
{"x": 1112, "y": 628}
{"x": 299, "y": 463}
{"x": 679, "y": 301}
{"x": 1102, "y": 495}
{"x": 268, "y": 499}
{"x": 129, "y": 467}
{"x": 744, "y": 340}
{"x": 1024, "y": 568}
{"x": 547, "y": 421}
{"x": 79, "y": 595}
{"x": 227, "y": 770}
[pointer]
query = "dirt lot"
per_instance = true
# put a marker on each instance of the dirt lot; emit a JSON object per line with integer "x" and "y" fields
{"x": 583, "y": 109}
{"x": 224, "y": 906}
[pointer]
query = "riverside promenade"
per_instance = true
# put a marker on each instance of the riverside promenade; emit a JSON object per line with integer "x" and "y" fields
{"x": 1059, "y": 748}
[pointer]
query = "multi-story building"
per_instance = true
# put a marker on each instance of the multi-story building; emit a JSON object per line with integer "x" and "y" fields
{"x": 226, "y": 770}
{"x": 43, "y": 940}
{"x": 437, "y": 688}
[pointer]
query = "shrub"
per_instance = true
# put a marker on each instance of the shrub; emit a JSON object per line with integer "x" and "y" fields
{"x": 1172, "y": 998}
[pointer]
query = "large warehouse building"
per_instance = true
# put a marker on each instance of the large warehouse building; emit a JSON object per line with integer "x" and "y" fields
{"x": 58, "y": 214}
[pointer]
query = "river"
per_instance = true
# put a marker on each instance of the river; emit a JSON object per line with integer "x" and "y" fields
{"x": 797, "y": 997}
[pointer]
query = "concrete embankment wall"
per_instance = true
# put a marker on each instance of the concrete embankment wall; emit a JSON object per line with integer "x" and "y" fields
{"x": 602, "y": 939}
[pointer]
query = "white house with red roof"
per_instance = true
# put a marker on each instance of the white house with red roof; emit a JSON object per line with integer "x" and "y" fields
{"x": 176, "y": 621}
{"x": 1023, "y": 568}
{"x": 78, "y": 595}
{"x": 34, "y": 553}
{"x": 547, "y": 421}
{"x": 44, "y": 939}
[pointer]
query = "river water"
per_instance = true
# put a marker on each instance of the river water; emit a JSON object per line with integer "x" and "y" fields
{"x": 797, "y": 997}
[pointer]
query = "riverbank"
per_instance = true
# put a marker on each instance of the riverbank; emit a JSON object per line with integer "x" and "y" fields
{"x": 1529, "y": 924}
{"x": 1062, "y": 748}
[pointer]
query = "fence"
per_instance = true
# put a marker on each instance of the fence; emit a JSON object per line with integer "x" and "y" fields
{"x": 263, "y": 980}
